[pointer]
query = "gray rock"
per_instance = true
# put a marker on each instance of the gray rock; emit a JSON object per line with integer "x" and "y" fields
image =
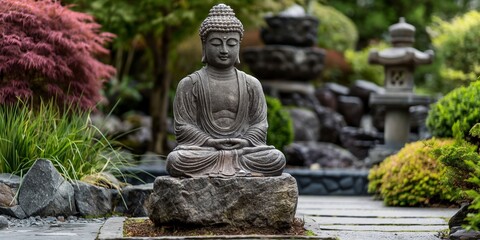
{"x": 346, "y": 182}
{"x": 242, "y": 201}
{"x": 328, "y": 155}
{"x": 92, "y": 200}
{"x": 15, "y": 211}
{"x": 363, "y": 89}
{"x": 331, "y": 124}
{"x": 45, "y": 192}
{"x": 327, "y": 98}
{"x": 337, "y": 89}
{"x": 463, "y": 234}
{"x": 358, "y": 141}
{"x": 3, "y": 222}
{"x": 352, "y": 109}
{"x": 305, "y": 124}
{"x": 458, "y": 219}
{"x": 132, "y": 200}
{"x": 10, "y": 180}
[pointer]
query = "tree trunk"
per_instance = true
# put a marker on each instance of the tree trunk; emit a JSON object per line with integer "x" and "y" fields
{"x": 159, "y": 100}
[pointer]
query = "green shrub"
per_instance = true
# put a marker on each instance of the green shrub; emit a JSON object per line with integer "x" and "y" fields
{"x": 412, "y": 177}
{"x": 335, "y": 31}
{"x": 75, "y": 147}
{"x": 280, "y": 126}
{"x": 361, "y": 69}
{"x": 457, "y": 49}
{"x": 458, "y": 109}
{"x": 463, "y": 168}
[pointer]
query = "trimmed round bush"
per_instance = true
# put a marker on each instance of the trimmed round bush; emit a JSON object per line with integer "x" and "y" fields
{"x": 280, "y": 125}
{"x": 413, "y": 177}
{"x": 459, "y": 109}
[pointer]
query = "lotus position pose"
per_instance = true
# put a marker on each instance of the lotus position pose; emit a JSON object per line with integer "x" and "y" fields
{"x": 220, "y": 112}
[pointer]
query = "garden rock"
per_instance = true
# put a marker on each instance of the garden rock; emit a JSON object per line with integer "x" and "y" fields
{"x": 3, "y": 222}
{"x": 331, "y": 123}
{"x": 358, "y": 141}
{"x": 9, "y": 184}
{"x": 132, "y": 200}
{"x": 15, "y": 211}
{"x": 305, "y": 124}
{"x": 352, "y": 109}
{"x": 327, "y": 98}
{"x": 242, "y": 201}
{"x": 328, "y": 155}
{"x": 463, "y": 234}
{"x": 363, "y": 89}
{"x": 92, "y": 200}
{"x": 7, "y": 196}
{"x": 45, "y": 192}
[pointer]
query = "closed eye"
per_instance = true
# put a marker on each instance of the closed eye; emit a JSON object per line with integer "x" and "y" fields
{"x": 232, "y": 42}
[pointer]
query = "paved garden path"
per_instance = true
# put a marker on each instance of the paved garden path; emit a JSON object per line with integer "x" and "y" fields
{"x": 361, "y": 218}
{"x": 344, "y": 218}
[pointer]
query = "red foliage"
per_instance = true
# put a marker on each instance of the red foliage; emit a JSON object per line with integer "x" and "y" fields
{"x": 48, "y": 51}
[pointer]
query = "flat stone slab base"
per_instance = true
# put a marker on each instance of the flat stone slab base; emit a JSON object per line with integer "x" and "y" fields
{"x": 241, "y": 201}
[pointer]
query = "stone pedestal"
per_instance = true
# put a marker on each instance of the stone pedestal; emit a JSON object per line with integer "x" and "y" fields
{"x": 241, "y": 202}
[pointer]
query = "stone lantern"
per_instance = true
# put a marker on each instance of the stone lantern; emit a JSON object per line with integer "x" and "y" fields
{"x": 399, "y": 63}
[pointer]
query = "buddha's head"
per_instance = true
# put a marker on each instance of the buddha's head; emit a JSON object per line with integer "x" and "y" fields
{"x": 221, "y": 33}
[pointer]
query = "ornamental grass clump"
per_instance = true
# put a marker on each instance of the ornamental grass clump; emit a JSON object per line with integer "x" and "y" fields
{"x": 413, "y": 177}
{"x": 76, "y": 148}
{"x": 47, "y": 51}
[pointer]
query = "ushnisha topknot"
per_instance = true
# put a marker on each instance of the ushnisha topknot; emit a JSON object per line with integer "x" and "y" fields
{"x": 220, "y": 19}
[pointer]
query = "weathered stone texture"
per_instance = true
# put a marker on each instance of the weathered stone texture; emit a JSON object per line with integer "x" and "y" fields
{"x": 243, "y": 202}
{"x": 45, "y": 192}
{"x": 92, "y": 200}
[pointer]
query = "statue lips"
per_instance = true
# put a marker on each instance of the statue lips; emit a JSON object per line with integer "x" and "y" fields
{"x": 223, "y": 57}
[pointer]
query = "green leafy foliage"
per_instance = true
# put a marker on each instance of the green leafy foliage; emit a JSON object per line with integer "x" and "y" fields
{"x": 463, "y": 170}
{"x": 76, "y": 148}
{"x": 374, "y": 17}
{"x": 361, "y": 69}
{"x": 459, "y": 109}
{"x": 280, "y": 126}
{"x": 335, "y": 31}
{"x": 413, "y": 177}
{"x": 457, "y": 50}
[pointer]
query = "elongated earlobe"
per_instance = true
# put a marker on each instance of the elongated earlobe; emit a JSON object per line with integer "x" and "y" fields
{"x": 238, "y": 60}
{"x": 204, "y": 55}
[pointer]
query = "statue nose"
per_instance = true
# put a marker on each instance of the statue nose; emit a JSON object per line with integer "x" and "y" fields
{"x": 224, "y": 49}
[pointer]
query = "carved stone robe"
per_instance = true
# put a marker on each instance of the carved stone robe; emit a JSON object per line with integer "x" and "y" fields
{"x": 194, "y": 125}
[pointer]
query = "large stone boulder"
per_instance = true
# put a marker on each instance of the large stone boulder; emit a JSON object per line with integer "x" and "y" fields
{"x": 241, "y": 201}
{"x": 327, "y": 155}
{"x": 306, "y": 126}
{"x": 131, "y": 200}
{"x": 45, "y": 192}
{"x": 92, "y": 200}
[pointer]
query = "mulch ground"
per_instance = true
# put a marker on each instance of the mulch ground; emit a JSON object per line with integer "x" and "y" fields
{"x": 146, "y": 228}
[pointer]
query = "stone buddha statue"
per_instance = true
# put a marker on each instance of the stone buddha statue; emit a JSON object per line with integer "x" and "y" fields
{"x": 220, "y": 112}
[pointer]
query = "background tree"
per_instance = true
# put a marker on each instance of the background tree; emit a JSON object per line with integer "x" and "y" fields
{"x": 158, "y": 26}
{"x": 373, "y": 18}
{"x": 48, "y": 52}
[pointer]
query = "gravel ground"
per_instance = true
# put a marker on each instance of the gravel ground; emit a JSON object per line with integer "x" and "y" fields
{"x": 52, "y": 221}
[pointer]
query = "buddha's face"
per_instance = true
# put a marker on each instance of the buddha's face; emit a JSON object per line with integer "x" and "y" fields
{"x": 222, "y": 48}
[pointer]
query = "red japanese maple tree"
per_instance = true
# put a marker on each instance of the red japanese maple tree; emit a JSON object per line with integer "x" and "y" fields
{"x": 47, "y": 51}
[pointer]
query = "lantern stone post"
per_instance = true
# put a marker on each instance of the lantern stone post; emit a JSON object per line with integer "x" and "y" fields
{"x": 399, "y": 63}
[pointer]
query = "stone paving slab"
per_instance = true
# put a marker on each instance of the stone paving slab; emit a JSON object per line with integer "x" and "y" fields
{"x": 375, "y": 221}
{"x": 70, "y": 231}
{"x": 362, "y": 218}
